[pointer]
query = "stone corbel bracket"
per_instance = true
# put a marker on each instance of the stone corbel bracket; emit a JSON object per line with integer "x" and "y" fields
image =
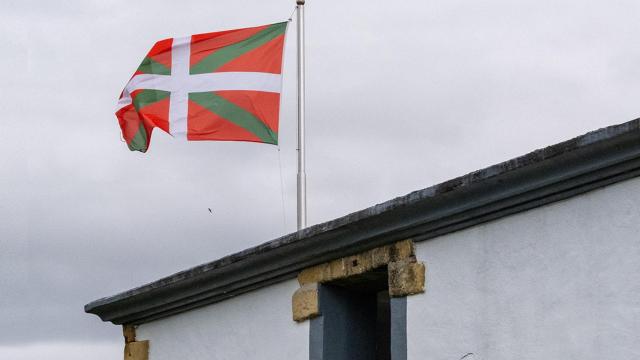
{"x": 134, "y": 350}
{"x": 406, "y": 275}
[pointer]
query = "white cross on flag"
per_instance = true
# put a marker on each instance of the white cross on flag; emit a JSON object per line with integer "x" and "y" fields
{"x": 216, "y": 86}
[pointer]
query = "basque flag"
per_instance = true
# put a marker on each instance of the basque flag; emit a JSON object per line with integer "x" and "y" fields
{"x": 216, "y": 86}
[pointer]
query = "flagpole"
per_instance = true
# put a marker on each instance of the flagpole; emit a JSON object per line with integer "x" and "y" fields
{"x": 302, "y": 176}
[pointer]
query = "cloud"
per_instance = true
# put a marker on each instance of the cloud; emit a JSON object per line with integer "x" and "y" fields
{"x": 401, "y": 96}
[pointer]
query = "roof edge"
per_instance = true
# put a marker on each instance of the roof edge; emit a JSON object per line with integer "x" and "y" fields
{"x": 587, "y": 162}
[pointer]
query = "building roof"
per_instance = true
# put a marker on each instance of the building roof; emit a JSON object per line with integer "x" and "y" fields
{"x": 557, "y": 172}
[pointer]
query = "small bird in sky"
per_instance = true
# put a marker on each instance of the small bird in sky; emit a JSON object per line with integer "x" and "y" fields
{"x": 210, "y": 210}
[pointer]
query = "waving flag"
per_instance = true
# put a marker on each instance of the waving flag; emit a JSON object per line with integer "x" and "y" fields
{"x": 216, "y": 86}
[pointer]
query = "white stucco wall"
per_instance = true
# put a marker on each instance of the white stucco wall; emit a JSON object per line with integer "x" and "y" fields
{"x": 256, "y": 325}
{"x": 557, "y": 282}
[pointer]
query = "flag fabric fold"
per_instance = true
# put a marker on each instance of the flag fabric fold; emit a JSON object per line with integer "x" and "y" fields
{"x": 216, "y": 86}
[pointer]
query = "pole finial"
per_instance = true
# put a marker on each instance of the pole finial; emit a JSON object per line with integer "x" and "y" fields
{"x": 300, "y": 2}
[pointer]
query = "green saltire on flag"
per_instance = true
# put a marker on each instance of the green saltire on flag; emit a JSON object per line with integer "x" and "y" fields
{"x": 235, "y": 114}
{"x": 216, "y": 86}
{"x": 222, "y": 56}
{"x": 150, "y": 66}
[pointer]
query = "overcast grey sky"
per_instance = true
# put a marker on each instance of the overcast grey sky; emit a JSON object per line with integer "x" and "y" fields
{"x": 402, "y": 95}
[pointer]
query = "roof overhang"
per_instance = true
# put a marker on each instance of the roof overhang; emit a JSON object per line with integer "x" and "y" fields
{"x": 554, "y": 173}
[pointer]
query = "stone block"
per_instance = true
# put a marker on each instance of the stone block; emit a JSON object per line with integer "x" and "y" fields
{"x": 312, "y": 274}
{"x": 401, "y": 250}
{"x": 129, "y": 332}
{"x": 136, "y": 350}
{"x": 406, "y": 278}
{"x": 305, "y": 304}
{"x": 380, "y": 256}
{"x": 357, "y": 264}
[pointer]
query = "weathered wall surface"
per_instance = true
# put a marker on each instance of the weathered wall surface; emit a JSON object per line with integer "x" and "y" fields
{"x": 557, "y": 282}
{"x": 256, "y": 325}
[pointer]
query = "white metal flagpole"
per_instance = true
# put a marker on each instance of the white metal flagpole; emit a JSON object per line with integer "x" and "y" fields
{"x": 302, "y": 176}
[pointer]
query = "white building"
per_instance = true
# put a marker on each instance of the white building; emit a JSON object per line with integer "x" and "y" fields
{"x": 534, "y": 258}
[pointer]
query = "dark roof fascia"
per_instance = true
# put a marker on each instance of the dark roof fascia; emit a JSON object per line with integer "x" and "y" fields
{"x": 596, "y": 159}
